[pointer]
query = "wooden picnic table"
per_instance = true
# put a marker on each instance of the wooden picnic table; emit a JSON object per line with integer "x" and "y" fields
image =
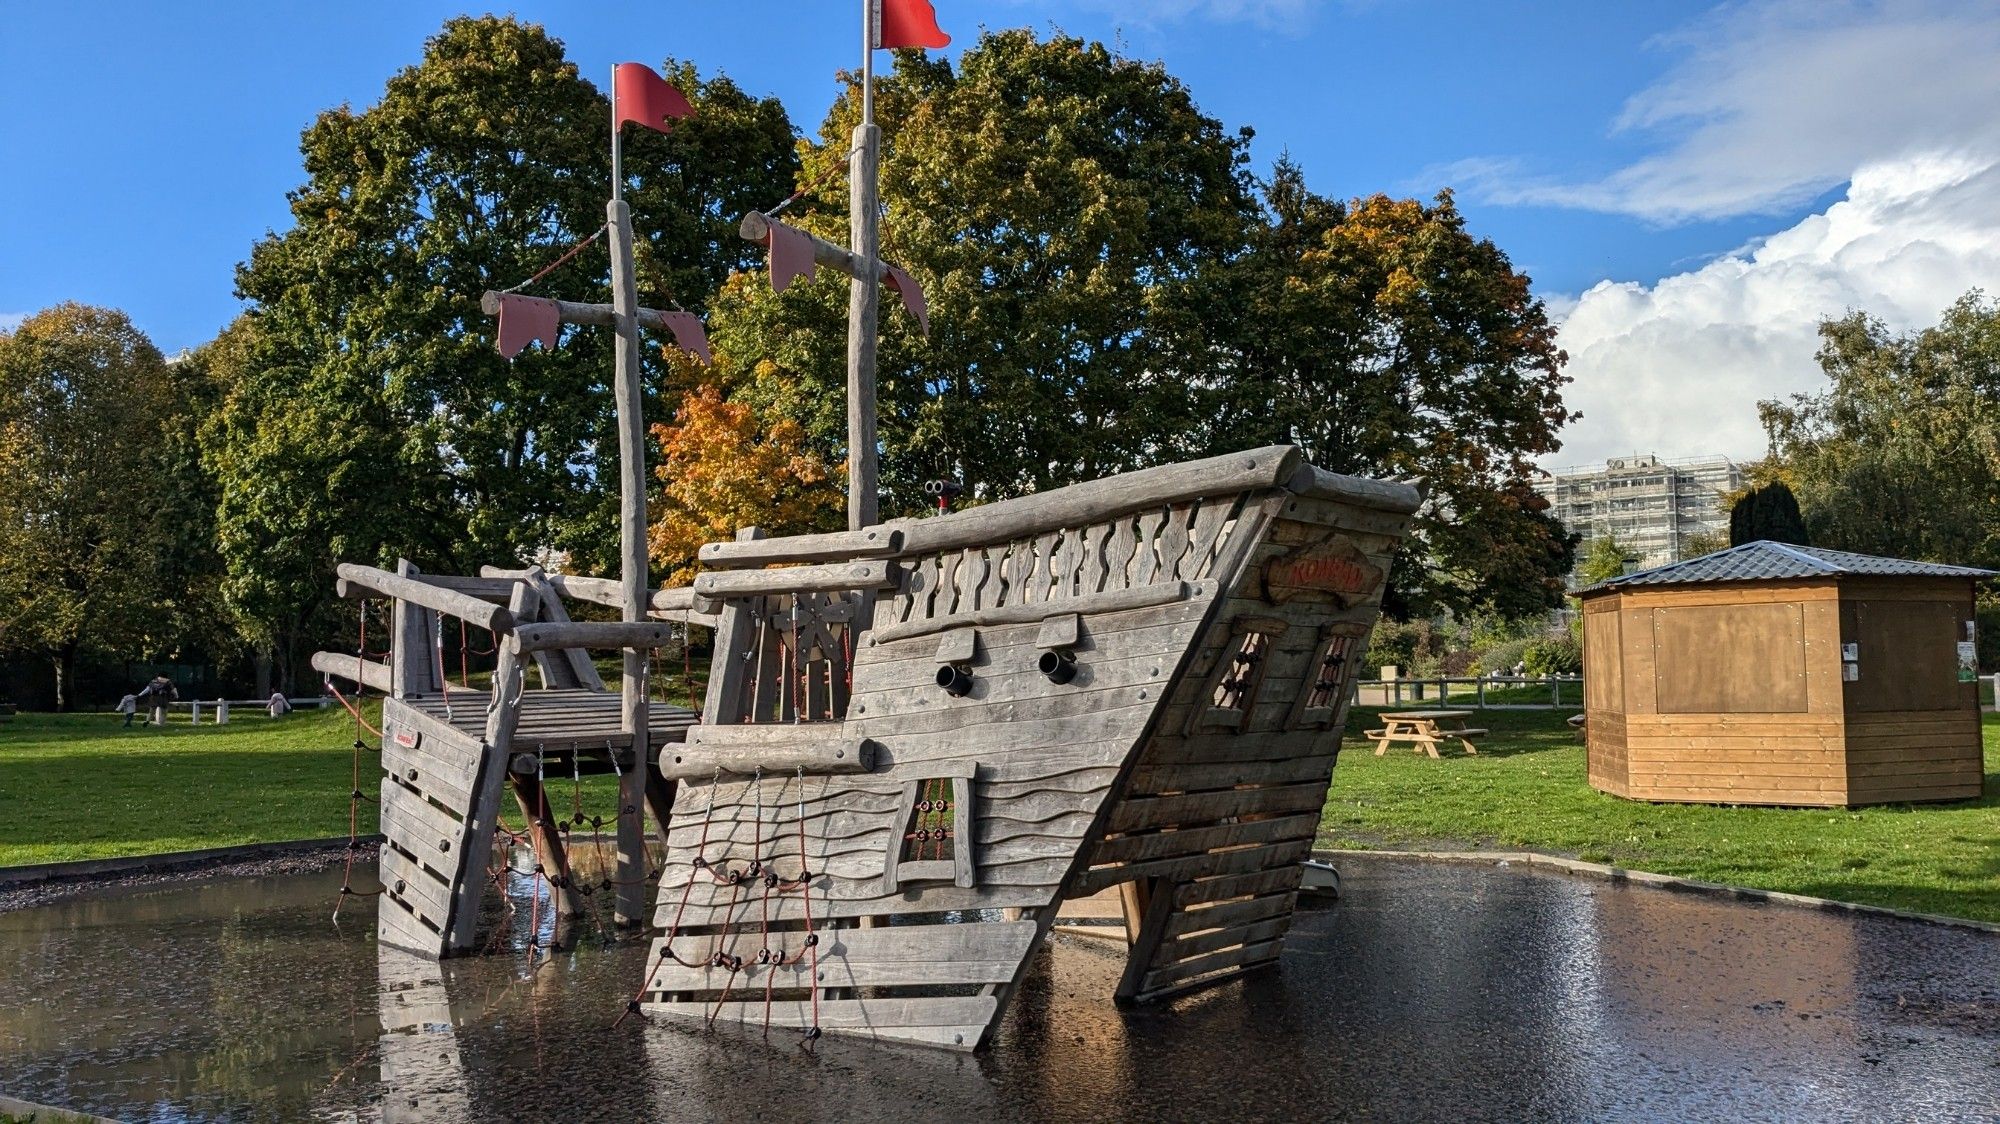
{"x": 1424, "y": 729}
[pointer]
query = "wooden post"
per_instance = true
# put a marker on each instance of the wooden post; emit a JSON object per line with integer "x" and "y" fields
{"x": 412, "y": 650}
{"x": 634, "y": 712}
{"x": 864, "y": 291}
{"x": 863, "y": 307}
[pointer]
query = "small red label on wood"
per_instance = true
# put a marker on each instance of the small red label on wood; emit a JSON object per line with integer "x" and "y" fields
{"x": 408, "y": 739}
{"x": 1334, "y": 565}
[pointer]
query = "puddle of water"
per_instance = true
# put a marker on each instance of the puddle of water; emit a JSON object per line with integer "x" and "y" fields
{"x": 1429, "y": 991}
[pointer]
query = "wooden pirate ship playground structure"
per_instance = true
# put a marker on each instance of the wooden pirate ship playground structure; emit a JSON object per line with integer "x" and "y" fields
{"x": 920, "y": 737}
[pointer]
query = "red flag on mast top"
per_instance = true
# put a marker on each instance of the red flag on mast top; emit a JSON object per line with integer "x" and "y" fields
{"x": 645, "y": 97}
{"x": 907, "y": 23}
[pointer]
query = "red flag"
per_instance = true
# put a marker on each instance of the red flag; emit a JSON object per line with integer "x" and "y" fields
{"x": 524, "y": 319}
{"x": 908, "y": 23}
{"x": 645, "y": 97}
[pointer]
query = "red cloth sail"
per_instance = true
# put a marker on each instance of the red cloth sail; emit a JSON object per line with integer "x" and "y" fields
{"x": 524, "y": 319}
{"x": 909, "y": 23}
{"x": 688, "y": 333}
{"x": 645, "y": 97}
{"x": 791, "y": 255}
{"x": 913, "y": 296}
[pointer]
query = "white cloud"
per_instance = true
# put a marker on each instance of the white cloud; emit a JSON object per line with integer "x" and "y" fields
{"x": 1677, "y": 367}
{"x": 1773, "y": 104}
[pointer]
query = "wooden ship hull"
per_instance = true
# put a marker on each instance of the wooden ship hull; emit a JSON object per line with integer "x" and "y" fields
{"x": 919, "y": 744}
{"x": 919, "y": 740}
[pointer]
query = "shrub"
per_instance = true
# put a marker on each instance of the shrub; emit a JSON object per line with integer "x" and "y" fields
{"x": 1501, "y": 657}
{"x": 1554, "y": 655}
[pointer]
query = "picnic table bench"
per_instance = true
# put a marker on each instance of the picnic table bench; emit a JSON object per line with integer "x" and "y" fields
{"x": 1424, "y": 729}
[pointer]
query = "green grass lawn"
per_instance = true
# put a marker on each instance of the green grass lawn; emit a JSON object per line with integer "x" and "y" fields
{"x": 1527, "y": 791}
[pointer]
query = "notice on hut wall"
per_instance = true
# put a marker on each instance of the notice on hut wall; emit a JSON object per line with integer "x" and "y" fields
{"x": 1968, "y": 661}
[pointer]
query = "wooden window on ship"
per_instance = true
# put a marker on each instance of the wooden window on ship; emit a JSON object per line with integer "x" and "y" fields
{"x": 933, "y": 840}
{"x": 1328, "y": 677}
{"x": 1239, "y": 674}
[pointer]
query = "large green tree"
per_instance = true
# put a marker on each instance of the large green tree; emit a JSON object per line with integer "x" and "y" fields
{"x": 369, "y": 415}
{"x": 1899, "y": 454}
{"x": 1056, "y": 202}
{"x": 1386, "y": 339}
{"x": 1767, "y": 512}
{"x": 1107, "y": 291}
{"x": 86, "y": 490}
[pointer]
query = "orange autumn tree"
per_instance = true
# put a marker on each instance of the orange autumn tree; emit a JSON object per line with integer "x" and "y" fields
{"x": 726, "y": 466}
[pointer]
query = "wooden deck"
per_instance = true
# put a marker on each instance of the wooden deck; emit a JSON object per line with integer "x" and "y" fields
{"x": 557, "y": 721}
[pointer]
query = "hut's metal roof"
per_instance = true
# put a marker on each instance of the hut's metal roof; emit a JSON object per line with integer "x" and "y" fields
{"x": 1764, "y": 560}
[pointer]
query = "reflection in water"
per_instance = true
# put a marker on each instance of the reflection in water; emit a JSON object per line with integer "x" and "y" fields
{"x": 1429, "y": 991}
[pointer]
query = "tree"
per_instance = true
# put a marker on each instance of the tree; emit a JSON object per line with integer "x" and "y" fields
{"x": 1767, "y": 512}
{"x": 1106, "y": 293}
{"x": 86, "y": 490}
{"x": 1056, "y": 202}
{"x": 725, "y": 467}
{"x": 1603, "y": 560}
{"x": 372, "y": 416}
{"x": 1900, "y": 454}
{"x": 1704, "y": 542}
{"x": 1385, "y": 339}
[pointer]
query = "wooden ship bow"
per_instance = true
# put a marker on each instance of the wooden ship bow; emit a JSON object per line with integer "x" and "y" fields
{"x": 925, "y": 735}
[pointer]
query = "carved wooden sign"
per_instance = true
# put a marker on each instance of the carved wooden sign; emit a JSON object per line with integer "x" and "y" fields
{"x": 409, "y": 739}
{"x": 1333, "y": 565}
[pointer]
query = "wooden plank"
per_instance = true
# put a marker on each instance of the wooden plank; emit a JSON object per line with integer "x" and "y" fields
{"x": 826, "y": 577}
{"x": 1229, "y": 914}
{"x": 1153, "y": 928}
{"x": 420, "y": 889}
{"x": 1165, "y": 750}
{"x": 450, "y": 782}
{"x": 1100, "y": 500}
{"x": 1200, "y": 840}
{"x": 838, "y": 546}
{"x": 1195, "y": 866}
{"x": 1034, "y": 612}
{"x": 1136, "y": 815}
{"x": 1153, "y": 780}
{"x": 1256, "y": 883}
{"x": 1163, "y": 980}
{"x": 582, "y": 673}
{"x": 954, "y": 1022}
{"x": 889, "y": 956}
{"x": 1254, "y": 933}
{"x": 411, "y": 656}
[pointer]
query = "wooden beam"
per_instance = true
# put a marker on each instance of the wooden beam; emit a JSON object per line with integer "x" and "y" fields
{"x": 783, "y": 750}
{"x": 755, "y": 227}
{"x": 1387, "y": 495}
{"x": 368, "y": 673}
{"x": 837, "y": 577}
{"x": 840, "y": 546}
{"x": 629, "y": 636}
{"x": 595, "y": 315}
{"x": 1095, "y": 501}
{"x": 357, "y": 581}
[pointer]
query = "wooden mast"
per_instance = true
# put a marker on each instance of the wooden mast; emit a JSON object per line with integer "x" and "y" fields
{"x": 630, "y": 398}
{"x": 864, "y": 291}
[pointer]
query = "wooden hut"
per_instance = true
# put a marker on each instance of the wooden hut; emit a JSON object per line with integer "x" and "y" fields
{"x": 1776, "y": 674}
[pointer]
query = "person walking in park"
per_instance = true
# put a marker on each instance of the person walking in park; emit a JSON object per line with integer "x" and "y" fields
{"x": 158, "y": 694}
{"x": 129, "y": 707}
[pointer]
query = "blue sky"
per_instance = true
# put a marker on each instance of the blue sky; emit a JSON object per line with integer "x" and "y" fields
{"x": 1631, "y": 157}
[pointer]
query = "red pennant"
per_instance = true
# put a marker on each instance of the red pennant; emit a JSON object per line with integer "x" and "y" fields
{"x": 524, "y": 319}
{"x": 791, "y": 255}
{"x": 645, "y": 97}
{"x": 688, "y": 333}
{"x": 913, "y": 296}
{"x": 909, "y": 23}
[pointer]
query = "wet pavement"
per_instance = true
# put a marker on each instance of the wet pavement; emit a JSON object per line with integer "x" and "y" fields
{"x": 1431, "y": 991}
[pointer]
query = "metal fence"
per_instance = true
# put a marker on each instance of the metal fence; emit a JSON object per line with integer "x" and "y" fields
{"x": 1503, "y": 692}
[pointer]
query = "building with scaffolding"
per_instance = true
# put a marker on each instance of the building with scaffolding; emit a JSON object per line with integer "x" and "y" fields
{"x": 1654, "y": 508}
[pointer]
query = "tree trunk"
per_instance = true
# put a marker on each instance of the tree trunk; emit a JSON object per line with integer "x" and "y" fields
{"x": 261, "y": 661}
{"x": 65, "y": 662}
